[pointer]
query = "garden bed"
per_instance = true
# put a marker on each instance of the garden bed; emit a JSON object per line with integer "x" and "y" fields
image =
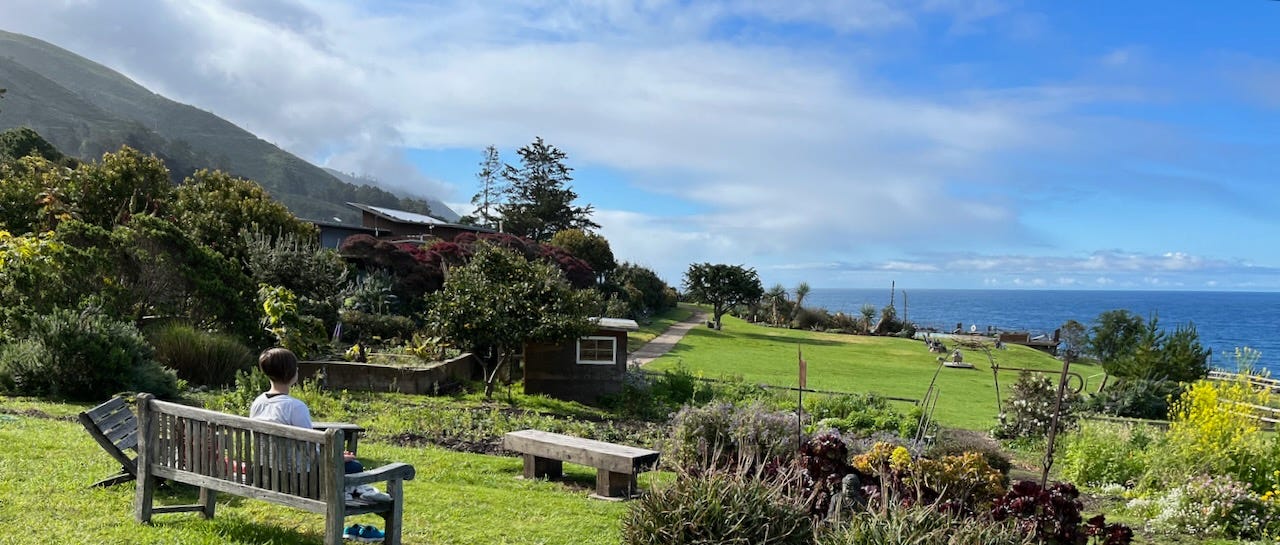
{"x": 430, "y": 379}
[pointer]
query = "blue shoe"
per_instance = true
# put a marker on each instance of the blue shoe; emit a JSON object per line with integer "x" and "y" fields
{"x": 369, "y": 534}
{"x": 352, "y": 532}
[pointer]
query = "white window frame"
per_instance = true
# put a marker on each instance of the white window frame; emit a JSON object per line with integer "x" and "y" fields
{"x": 613, "y": 341}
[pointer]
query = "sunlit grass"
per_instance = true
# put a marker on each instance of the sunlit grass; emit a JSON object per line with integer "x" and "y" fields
{"x": 849, "y": 363}
{"x": 456, "y": 498}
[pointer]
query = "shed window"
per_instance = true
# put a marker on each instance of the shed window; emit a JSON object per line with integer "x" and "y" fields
{"x": 597, "y": 350}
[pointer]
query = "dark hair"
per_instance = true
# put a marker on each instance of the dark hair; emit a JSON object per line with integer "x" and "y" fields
{"x": 279, "y": 364}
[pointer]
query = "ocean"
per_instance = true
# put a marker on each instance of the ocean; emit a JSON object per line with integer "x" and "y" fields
{"x": 1224, "y": 320}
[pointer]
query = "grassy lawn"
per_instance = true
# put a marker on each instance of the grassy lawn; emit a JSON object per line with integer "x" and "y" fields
{"x": 456, "y": 498}
{"x": 849, "y": 363}
{"x": 657, "y": 324}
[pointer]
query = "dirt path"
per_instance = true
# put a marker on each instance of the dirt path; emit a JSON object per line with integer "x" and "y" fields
{"x": 663, "y": 343}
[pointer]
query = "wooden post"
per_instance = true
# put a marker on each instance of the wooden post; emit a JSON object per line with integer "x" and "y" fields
{"x": 394, "y": 518}
{"x": 145, "y": 492}
{"x": 1053, "y": 425}
{"x": 333, "y": 486}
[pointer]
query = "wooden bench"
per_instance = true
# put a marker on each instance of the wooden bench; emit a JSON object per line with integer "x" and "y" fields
{"x": 281, "y": 464}
{"x": 115, "y": 428}
{"x": 616, "y": 465}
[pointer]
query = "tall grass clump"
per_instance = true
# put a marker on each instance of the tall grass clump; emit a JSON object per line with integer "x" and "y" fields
{"x": 719, "y": 506}
{"x": 200, "y": 357}
{"x": 722, "y": 435}
{"x": 918, "y": 525}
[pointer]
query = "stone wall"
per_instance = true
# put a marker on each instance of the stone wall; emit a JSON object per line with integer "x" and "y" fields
{"x": 428, "y": 379}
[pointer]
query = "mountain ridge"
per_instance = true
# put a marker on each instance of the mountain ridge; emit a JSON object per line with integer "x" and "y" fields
{"x": 86, "y": 109}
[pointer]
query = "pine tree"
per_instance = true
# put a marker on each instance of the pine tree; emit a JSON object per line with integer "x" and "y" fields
{"x": 539, "y": 200}
{"x": 486, "y": 200}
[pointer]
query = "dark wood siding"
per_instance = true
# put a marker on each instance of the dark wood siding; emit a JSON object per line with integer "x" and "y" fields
{"x": 553, "y": 369}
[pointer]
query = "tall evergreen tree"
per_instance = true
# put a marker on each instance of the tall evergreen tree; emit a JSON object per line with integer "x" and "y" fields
{"x": 539, "y": 200}
{"x": 486, "y": 200}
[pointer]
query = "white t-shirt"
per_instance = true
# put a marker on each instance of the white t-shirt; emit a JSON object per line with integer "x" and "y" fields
{"x": 281, "y": 408}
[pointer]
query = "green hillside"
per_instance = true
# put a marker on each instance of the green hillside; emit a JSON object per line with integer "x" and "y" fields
{"x": 86, "y": 109}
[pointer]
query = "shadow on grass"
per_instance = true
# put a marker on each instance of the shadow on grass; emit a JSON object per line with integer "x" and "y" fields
{"x": 781, "y": 339}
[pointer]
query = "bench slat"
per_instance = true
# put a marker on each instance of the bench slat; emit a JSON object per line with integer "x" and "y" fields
{"x": 101, "y": 411}
{"x": 213, "y": 483}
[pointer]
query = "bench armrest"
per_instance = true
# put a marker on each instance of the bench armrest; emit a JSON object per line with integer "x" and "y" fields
{"x": 389, "y": 472}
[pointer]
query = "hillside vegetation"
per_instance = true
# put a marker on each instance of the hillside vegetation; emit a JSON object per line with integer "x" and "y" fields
{"x": 86, "y": 109}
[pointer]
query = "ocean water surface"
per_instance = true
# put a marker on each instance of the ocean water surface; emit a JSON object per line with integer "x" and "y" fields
{"x": 1224, "y": 320}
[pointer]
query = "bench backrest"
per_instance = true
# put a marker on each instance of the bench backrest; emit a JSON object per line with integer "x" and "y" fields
{"x": 113, "y": 426}
{"x": 265, "y": 460}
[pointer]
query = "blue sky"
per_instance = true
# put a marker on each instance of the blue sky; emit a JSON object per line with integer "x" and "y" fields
{"x": 938, "y": 143}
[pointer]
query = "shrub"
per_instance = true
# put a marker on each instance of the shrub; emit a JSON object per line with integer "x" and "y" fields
{"x": 953, "y": 442}
{"x": 1028, "y": 412}
{"x": 963, "y": 482}
{"x": 1052, "y": 515}
{"x": 1210, "y": 434}
{"x": 953, "y": 483}
{"x": 1100, "y": 453}
{"x": 918, "y": 525}
{"x": 718, "y": 507}
{"x": 721, "y": 435}
{"x": 85, "y": 357}
{"x": 200, "y": 357}
{"x": 1209, "y": 506}
{"x": 1135, "y": 398}
{"x": 372, "y": 328}
{"x": 860, "y": 414}
{"x": 237, "y": 400}
{"x": 301, "y": 333}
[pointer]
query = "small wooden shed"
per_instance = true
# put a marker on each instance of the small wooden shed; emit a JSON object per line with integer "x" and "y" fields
{"x": 582, "y": 369}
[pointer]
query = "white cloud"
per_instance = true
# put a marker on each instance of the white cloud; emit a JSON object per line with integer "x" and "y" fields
{"x": 798, "y": 155}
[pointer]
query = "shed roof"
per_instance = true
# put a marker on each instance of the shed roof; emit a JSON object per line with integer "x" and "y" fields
{"x": 616, "y": 324}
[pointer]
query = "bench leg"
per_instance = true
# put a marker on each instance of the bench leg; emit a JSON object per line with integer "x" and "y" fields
{"x": 395, "y": 518}
{"x": 614, "y": 485}
{"x": 208, "y": 499}
{"x": 537, "y": 468}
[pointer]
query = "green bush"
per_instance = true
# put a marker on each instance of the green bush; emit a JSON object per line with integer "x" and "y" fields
{"x": 200, "y": 357}
{"x": 918, "y": 525}
{"x": 718, "y": 507}
{"x": 724, "y": 435}
{"x": 377, "y": 328}
{"x": 859, "y": 415}
{"x": 84, "y": 357}
{"x": 1101, "y": 453}
{"x": 237, "y": 400}
{"x": 1028, "y": 411}
{"x": 1135, "y": 398}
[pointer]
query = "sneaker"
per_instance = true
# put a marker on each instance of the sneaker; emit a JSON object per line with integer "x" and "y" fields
{"x": 365, "y": 492}
{"x": 370, "y": 534}
{"x": 352, "y": 532}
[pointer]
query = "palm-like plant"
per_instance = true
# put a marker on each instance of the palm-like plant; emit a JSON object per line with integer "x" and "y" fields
{"x": 776, "y": 298}
{"x": 801, "y": 292}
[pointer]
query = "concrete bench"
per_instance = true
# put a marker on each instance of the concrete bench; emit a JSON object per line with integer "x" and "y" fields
{"x": 616, "y": 465}
{"x": 282, "y": 464}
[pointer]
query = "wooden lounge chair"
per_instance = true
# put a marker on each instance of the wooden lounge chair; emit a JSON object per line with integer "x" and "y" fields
{"x": 115, "y": 428}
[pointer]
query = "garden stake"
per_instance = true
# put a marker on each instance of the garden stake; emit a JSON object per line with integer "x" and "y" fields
{"x": 1053, "y": 424}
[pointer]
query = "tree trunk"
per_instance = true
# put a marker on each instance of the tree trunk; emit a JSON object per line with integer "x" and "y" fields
{"x": 491, "y": 378}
